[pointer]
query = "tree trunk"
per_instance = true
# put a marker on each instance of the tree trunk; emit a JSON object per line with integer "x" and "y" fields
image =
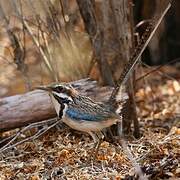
{"x": 94, "y": 29}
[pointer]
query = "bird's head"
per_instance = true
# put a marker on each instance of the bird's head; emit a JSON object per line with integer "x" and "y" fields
{"x": 61, "y": 94}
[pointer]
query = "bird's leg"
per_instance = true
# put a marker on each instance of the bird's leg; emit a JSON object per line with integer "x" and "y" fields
{"x": 96, "y": 142}
{"x": 100, "y": 136}
{"x": 97, "y": 137}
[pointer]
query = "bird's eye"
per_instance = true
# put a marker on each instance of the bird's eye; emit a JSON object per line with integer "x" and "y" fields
{"x": 58, "y": 89}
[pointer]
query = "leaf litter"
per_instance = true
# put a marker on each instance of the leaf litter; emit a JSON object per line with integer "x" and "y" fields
{"x": 63, "y": 153}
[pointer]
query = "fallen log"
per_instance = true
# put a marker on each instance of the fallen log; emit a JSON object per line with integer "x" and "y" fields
{"x": 20, "y": 110}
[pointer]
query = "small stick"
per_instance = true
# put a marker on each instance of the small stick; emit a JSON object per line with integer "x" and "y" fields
{"x": 9, "y": 146}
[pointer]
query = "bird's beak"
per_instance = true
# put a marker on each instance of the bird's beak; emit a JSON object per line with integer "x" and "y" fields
{"x": 44, "y": 88}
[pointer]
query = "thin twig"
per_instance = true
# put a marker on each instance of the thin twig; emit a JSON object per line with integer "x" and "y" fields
{"x": 157, "y": 69}
{"x": 133, "y": 160}
{"x": 36, "y": 42}
{"x": 126, "y": 149}
{"x": 165, "y": 140}
{"x": 30, "y": 126}
{"x": 35, "y": 136}
{"x": 19, "y": 50}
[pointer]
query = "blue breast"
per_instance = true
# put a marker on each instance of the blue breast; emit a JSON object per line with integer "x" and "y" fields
{"x": 78, "y": 115}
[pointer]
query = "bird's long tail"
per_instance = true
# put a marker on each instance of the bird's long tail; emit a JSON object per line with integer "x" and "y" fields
{"x": 129, "y": 67}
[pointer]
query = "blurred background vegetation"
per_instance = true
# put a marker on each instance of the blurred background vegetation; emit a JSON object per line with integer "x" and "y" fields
{"x": 44, "y": 41}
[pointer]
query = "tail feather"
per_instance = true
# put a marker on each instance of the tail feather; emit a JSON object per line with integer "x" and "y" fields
{"x": 129, "y": 67}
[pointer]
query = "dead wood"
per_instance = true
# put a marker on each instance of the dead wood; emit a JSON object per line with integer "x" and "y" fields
{"x": 20, "y": 110}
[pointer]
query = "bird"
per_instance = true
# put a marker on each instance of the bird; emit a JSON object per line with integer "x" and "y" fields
{"x": 83, "y": 113}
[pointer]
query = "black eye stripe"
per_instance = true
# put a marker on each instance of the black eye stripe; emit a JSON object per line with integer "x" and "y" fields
{"x": 57, "y": 98}
{"x": 61, "y": 89}
{"x": 64, "y": 100}
{"x": 61, "y": 100}
{"x": 58, "y": 89}
{"x": 61, "y": 111}
{"x": 62, "y": 105}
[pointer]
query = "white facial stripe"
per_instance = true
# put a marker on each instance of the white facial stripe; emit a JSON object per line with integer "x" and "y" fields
{"x": 64, "y": 110}
{"x": 64, "y": 87}
{"x": 57, "y": 106}
{"x": 62, "y": 95}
